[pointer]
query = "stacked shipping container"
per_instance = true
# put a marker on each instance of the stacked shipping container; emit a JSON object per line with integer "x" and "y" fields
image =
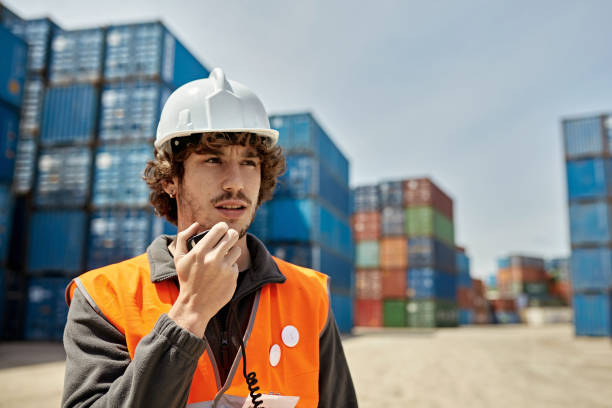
{"x": 404, "y": 246}
{"x": 307, "y": 222}
{"x": 90, "y": 110}
{"x": 558, "y": 271}
{"x": 465, "y": 289}
{"x": 12, "y": 80}
{"x": 589, "y": 180}
{"x": 480, "y": 303}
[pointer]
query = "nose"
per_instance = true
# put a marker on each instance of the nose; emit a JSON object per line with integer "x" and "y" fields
{"x": 232, "y": 177}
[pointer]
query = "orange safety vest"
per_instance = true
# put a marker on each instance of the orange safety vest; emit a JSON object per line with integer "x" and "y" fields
{"x": 124, "y": 294}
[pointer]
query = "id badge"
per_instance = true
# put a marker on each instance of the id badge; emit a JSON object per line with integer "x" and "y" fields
{"x": 273, "y": 401}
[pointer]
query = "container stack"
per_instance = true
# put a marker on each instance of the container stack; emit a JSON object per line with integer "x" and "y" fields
{"x": 524, "y": 279}
{"x": 416, "y": 265}
{"x": 432, "y": 276}
{"x": 465, "y": 289}
{"x": 558, "y": 270}
{"x": 307, "y": 221}
{"x": 88, "y": 121}
{"x": 480, "y": 302}
{"x": 589, "y": 181}
{"x": 366, "y": 225}
{"x": 505, "y": 311}
{"x": 12, "y": 80}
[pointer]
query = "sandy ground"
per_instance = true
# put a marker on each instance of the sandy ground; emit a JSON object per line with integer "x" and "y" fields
{"x": 505, "y": 366}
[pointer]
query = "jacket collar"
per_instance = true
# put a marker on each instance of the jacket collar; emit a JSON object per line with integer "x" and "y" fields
{"x": 263, "y": 267}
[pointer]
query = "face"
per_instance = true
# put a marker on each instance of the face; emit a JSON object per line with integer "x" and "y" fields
{"x": 219, "y": 186}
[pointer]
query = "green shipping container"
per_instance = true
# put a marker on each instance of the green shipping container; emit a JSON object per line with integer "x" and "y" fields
{"x": 431, "y": 313}
{"x": 366, "y": 254}
{"x": 426, "y": 221}
{"x": 394, "y": 313}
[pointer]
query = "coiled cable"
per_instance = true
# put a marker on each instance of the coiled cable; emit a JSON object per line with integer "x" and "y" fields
{"x": 250, "y": 378}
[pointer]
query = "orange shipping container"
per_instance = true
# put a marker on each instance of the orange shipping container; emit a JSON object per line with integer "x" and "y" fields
{"x": 366, "y": 225}
{"x": 394, "y": 253}
{"x": 368, "y": 284}
{"x": 368, "y": 313}
{"x": 394, "y": 284}
{"x": 424, "y": 192}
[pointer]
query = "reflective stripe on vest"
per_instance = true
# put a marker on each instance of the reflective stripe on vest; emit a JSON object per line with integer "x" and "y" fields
{"x": 124, "y": 295}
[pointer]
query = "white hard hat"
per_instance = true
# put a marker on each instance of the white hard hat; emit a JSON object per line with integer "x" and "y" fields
{"x": 214, "y": 104}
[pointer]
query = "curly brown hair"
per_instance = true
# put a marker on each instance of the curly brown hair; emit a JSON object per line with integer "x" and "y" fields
{"x": 165, "y": 166}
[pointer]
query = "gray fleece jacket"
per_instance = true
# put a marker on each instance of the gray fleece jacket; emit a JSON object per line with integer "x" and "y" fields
{"x": 100, "y": 372}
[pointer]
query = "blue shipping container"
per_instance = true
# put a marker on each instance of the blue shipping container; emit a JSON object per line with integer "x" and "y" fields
{"x": 590, "y": 223}
{"x": 342, "y": 307}
{"x": 6, "y": 221}
{"x": 426, "y": 252}
{"x": 306, "y": 177}
{"x": 118, "y": 175}
{"x": 301, "y": 134}
{"x": 25, "y": 165}
{"x": 63, "y": 177}
{"x": 392, "y": 221}
{"x": 429, "y": 283}
{"x": 465, "y": 317}
{"x": 46, "y": 310}
{"x": 591, "y": 269}
{"x": 13, "y": 68}
{"x": 589, "y": 178}
{"x": 77, "y": 56}
{"x": 69, "y": 115}
{"x": 116, "y": 235}
{"x": 592, "y": 314}
{"x": 583, "y": 137}
{"x": 337, "y": 267}
{"x": 130, "y": 110}
{"x": 37, "y": 33}
{"x": 9, "y": 126}
{"x": 149, "y": 50}
{"x": 463, "y": 270}
{"x": 365, "y": 198}
{"x": 260, "y": 227}
{"x": 57, "y": 242}
{"x": 31, "y": 108}
{"x": 391, "y": 194}
{"x": 307, "y": 220}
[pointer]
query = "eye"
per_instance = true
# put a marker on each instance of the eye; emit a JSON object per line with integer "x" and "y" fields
{"x": 213, "y": 159}
{"x": 249, "y": 162}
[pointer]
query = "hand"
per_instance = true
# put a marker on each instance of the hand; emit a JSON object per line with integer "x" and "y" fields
{"x": 207, "y": 276}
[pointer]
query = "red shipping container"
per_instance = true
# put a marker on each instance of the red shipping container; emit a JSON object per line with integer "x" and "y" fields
{"x": 368, "y": 284}
{"x": 394, "y": 284}
{"x": 563, "y": 290}
{"x": 508, "y": 305}
{"x": 424, "y": 192}
{"x": 479, "y": 287}
{"x": 368, "y": 313}
{"x": 465, "y": 298}
{"x": 366, "y": 225}
{"x": 394, "y": 253}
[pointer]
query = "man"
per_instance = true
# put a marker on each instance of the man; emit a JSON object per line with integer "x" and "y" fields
{"x": 175, "y": 326}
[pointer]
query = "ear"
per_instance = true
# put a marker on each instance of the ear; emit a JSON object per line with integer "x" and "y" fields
{"x": 170, "y": 187}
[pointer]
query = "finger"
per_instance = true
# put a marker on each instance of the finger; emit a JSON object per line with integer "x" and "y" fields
{"x": 229, "y": 240}
{"x": 183, "y": 236}
{"x": 216, "y": 233}
{"x": 233, "y": 255}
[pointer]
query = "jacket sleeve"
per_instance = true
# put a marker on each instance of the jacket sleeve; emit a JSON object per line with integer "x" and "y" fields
{"x": 336, "y": 388}
{"x": 100, "y": 372}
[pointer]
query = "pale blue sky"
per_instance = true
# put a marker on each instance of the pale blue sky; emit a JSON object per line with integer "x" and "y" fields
{"x": 470, "y": 93}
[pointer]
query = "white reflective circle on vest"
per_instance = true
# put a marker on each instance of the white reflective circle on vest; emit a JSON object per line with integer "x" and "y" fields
{"x": 275, "y": 355}
{"x": 290, "y": 336}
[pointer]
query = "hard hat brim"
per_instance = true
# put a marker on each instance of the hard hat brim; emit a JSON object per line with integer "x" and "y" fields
{"x": 269, "y": 133}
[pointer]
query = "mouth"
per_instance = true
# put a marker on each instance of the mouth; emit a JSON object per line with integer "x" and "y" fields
{"x": 231, "y": 210}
